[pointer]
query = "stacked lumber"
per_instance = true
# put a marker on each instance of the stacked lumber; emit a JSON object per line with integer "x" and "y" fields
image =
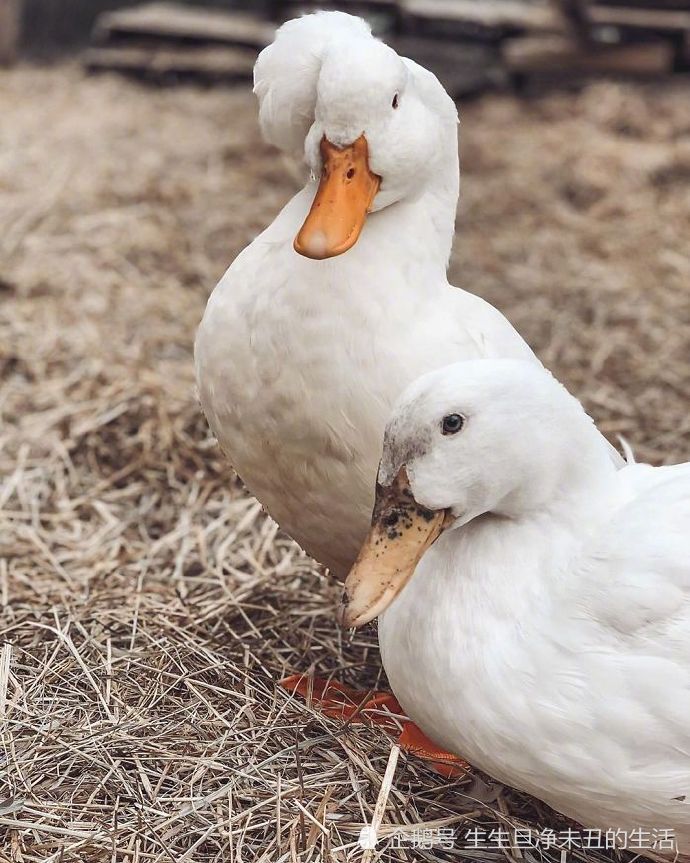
{"x": 508, "y": 17}
{"x": 566, "y": 55}
{"x": 491, "y": 18}
{"x": 471, "y": 45}
{"x": 161, "y": 40}
{"x": 604, "y": 37}
{"x": 567, "y": 36}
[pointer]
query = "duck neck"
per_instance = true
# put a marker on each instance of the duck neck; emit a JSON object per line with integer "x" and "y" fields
{"x": 511, "y": 552}
{"x": 425, "y": 225}
{"x": 581, "y": 497}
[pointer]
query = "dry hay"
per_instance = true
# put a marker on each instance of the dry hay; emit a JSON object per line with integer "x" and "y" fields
{"x": 148, "y": 606}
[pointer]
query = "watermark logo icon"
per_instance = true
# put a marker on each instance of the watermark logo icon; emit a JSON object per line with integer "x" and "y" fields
{"x": 368, "y": 837}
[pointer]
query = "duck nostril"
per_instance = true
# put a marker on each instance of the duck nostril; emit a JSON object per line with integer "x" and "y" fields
{"x": 350, "y": 174}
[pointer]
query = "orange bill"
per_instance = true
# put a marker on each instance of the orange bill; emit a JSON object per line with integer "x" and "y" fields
{"x": 401, "y": 531}
{"x": 346, "y": 192}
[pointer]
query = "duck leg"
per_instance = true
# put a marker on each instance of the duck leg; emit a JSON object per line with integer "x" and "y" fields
{"x": 338, "y": 701}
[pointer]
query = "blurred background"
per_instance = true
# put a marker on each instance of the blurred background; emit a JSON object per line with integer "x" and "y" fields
{"x": 147, "y": 605}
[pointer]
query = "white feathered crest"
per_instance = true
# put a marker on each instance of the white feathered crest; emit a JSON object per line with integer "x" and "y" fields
{"x": 287, "y": 71}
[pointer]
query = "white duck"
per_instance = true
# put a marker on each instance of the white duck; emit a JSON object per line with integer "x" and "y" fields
{"x": 305, "y": 345}
{"x": 545, "y": 635}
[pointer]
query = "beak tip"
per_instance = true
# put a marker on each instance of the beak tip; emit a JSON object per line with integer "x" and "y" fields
{"x": 315, "y": 245}
{"x": 352, "y": 618}
{"x": 351, "y": 615}
{"x": 344, "y": 613}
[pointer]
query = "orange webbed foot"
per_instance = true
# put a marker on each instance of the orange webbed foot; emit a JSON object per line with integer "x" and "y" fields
{"x": 338, "y": 701}
{"x": 413, "y": 740}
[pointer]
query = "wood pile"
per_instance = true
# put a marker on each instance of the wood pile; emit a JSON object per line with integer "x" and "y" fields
{"x": 170, "y": 39}
{"x": 471, "y": 45}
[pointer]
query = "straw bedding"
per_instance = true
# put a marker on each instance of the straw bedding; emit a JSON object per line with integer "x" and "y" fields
{"x": 147, "y": 605}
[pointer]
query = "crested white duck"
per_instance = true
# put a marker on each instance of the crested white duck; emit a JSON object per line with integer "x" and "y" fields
{"x": 534, "y": 600}
{"x": 319, "y": 324}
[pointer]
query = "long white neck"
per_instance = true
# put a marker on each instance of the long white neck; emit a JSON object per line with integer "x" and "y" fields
{"x": 585, "y": 484}
{"x": 429, "y": 220}
{"x": 514, "y": 559}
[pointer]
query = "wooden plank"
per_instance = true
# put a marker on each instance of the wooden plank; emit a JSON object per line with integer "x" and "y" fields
{"x": 508, "y": 14}
{"x": 209, "y": 62}
{"x": 652, "y": 20}
{"x": 185, "y": 23}
{"x": 561, "y": 54}
{"x": 647, "y": 4}
{"x": 539, "y": 17}
{"x": 10, "y": 17}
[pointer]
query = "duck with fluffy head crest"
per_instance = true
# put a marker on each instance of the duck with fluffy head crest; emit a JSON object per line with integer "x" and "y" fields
{"x": 319, "y": 324}
{"x": 534, "y": 600}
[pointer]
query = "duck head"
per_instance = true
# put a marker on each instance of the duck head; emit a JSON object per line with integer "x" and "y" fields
{"x": 499, "y": 437}
{"x": 374, "y": 127}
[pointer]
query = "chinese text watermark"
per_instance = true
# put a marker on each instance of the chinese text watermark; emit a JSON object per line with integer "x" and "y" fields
{"x": 636, "y": 839}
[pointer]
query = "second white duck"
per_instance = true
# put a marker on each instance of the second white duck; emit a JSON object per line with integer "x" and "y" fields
{"x": 545, "y": 633}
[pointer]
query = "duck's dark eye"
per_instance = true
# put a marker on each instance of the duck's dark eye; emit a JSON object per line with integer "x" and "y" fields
{"x": 452, "y": 423}
{"x": 396, "y": 100}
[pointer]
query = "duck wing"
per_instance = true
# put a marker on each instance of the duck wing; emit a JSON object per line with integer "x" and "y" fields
{"x": 638, "y": 565}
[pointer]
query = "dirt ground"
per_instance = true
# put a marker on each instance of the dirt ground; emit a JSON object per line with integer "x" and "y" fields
{"x": 147, "y": 606}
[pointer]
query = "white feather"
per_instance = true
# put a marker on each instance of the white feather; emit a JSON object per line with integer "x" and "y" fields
{"x": 287, "y": 71}
{"x": 628, "y": 453}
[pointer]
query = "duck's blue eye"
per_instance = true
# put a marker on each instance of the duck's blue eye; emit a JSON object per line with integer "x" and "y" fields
{"x": 396, "y": 100}
{"x": 452, "y": 423}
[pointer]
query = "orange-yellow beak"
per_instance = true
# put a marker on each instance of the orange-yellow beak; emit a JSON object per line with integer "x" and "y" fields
{"x": 346, "y": 192}
{"x": 401, "y": 531}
